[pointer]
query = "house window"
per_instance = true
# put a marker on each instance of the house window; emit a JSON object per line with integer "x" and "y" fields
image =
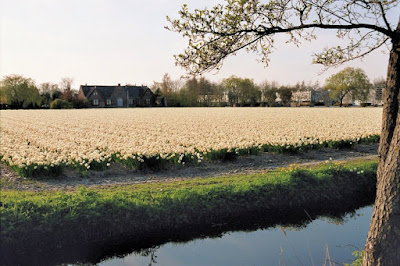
{"x": 147, "y": 101}
{"x": 95, "y": 93}
{"x": 131, "y": 101}
{"x": 96, "y": 102}
{"x": 109, "y": 102}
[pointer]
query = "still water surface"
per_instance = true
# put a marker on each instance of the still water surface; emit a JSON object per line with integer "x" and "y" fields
{"x": 307, "y": 245}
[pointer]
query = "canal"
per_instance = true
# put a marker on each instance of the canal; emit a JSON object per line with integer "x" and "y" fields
{"x": 323, "y": 240}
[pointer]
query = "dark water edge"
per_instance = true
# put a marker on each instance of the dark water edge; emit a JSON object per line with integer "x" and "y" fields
{"x": 123, "y": 245}
{"x": 324, "y": 241}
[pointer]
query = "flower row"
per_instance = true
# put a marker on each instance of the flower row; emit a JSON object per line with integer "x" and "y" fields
{"x": 159, "y": 162}
{"x": 87, "y": 139}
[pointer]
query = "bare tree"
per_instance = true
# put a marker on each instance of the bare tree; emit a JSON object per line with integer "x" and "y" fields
{"x": 66, "y": 83}
{"x": 66, "y": 88}
{"x": 224, "y": 29}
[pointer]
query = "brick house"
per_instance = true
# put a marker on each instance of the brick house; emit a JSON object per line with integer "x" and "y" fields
{"x": 116, "y": 96}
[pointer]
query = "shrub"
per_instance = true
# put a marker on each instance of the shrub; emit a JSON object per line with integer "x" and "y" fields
{"x": 60, "y": 104}
{"x": 80, "y": 103}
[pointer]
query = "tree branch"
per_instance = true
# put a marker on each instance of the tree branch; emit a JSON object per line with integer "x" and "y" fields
{"x": 384, "y": 15}
{"x": 350, "y": 58}
{"x": 274, "y": 30}
{"x": 216, "y": 33}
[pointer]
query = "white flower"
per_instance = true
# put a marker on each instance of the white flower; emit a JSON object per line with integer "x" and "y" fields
{"x": 195, "y": 131}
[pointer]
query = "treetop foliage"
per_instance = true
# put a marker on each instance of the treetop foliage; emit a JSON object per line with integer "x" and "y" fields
{"x": 349, "y": 80}
{"x": 19, "y": 91}
{"x": 224, "y": 29}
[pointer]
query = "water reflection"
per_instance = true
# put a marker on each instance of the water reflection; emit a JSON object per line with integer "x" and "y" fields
{"x": 255, "y": 240}
{"x": 328, "y": 239}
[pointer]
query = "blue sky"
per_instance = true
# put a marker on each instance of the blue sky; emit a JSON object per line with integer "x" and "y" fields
{"x": 121, "y": 41}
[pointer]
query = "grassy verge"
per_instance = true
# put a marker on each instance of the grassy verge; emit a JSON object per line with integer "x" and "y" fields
{"x": 157, "y": 162}
{"x": 49, "y": 220}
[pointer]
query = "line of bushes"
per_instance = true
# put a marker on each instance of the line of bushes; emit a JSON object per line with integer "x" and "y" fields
{"x": 158, "y": 162}
{"x": 48, "y": 221}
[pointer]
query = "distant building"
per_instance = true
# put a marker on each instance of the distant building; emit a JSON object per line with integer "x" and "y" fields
{"x": 116, "y": 96}
{"x": 310, "y": 97}
{"x": 379, "y": 96}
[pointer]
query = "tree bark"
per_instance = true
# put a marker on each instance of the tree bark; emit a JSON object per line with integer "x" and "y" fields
{"x": 383, "y": 242}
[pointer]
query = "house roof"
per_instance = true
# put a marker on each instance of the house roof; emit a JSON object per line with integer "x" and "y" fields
{"x": 107, "y": 91}
{"x": 134, "y": 91}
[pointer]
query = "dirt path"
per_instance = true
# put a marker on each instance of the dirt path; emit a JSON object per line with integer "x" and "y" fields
{"x": 120, "y": 174}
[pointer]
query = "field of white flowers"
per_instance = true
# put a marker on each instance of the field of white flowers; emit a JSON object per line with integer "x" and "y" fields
{"x": 35, "y": 141}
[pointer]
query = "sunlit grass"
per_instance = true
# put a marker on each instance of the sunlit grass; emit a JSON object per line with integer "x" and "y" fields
{"x": 89, "y": 214}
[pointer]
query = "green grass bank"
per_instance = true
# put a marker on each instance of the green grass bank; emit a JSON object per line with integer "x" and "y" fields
{"x": 45, "y": 221}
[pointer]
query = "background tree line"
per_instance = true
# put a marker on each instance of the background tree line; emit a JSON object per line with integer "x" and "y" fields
{"x": 352, "y": 83}
{"x": 232, "y": 91}
{"x": 19, "y": 92}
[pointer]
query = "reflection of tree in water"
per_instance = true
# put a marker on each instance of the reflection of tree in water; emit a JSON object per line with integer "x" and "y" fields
{"x": 341, "y": 220}
{"x": 336, "y": 220}
{"x": 219, "y": 230}
{"x": 150, "y": 252}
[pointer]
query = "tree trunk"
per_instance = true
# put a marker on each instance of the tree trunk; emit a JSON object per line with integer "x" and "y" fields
{"x": 383, "y": 242}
